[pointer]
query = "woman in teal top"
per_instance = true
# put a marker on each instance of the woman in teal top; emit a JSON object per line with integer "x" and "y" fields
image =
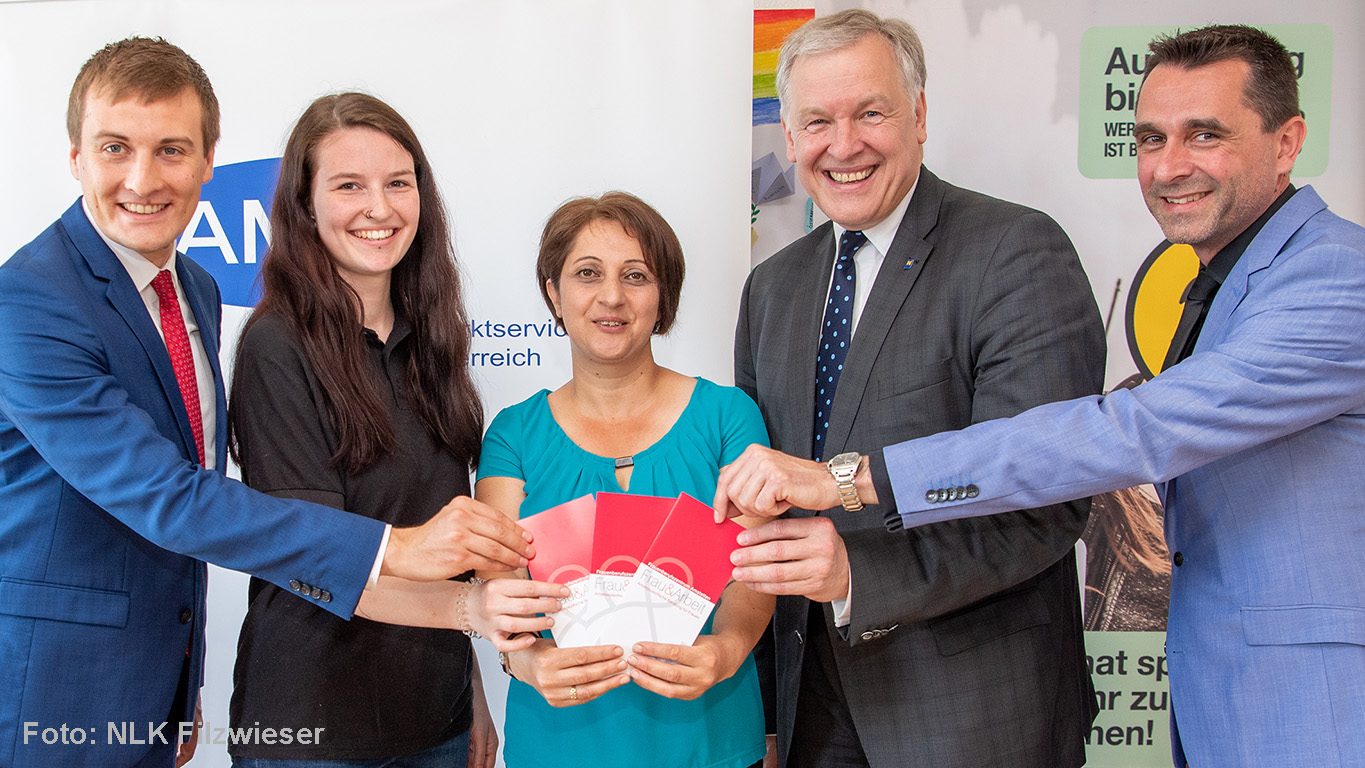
{"x": 611, "y": 270}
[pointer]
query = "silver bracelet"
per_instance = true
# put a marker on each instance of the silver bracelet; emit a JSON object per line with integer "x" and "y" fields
{"x": 463, "y": 616}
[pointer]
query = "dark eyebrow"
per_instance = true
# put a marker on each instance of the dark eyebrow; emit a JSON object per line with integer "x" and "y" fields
{"x": 1206, "y": 124}
{"x": 125, "y": 139}
{"x": 1197, "y": 124}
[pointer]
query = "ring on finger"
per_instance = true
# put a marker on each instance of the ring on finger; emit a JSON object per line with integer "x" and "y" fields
{"x": 573, "y": 693}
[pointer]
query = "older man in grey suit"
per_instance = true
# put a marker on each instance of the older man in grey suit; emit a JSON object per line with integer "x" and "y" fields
{"x": 922, "y": 307}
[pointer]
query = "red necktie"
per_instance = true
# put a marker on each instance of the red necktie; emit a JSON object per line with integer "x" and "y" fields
{"x": 182, "y": 359}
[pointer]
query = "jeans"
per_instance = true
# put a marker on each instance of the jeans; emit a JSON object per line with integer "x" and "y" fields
{"x": 451, "y": 754}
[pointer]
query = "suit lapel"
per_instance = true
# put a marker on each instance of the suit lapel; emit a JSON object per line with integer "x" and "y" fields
{"x": 126, "y": 301}
{"x": 809, "y": 288}
{"x": 890, "y": 291}
{"x": 1263, "y": 249}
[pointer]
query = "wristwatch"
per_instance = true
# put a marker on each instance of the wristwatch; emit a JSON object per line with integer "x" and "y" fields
{"x": 845, "y": 467}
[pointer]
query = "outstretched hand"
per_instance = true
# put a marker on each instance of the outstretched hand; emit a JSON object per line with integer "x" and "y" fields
{"x": 795, "y": 556}
{"x": 506, "y": 610}
{"x": 763, "y": 482}
{"x": 465, "y": 535}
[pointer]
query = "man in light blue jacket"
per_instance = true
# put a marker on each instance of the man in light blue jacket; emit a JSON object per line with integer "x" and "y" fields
{"x": 1254, "y": 432}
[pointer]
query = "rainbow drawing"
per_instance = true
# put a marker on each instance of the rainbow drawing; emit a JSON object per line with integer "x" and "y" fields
{"x": 771, "y": 27}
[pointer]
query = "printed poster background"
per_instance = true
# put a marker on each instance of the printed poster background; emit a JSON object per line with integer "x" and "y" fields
{"x": 1027, "y": 102}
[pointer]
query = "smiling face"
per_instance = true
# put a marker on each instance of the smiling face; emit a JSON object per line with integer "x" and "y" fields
{"x": 365, "y": 203}
{"x": 853, "y": 132}
{"x": 607, "y": 295}
{"x": 141, "y": 167}
{"x": 1206, "y": 166}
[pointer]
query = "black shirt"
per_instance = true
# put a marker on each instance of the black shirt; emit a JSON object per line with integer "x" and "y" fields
{"x": 379, "y": 690}
{"x": 1200, "y": 292}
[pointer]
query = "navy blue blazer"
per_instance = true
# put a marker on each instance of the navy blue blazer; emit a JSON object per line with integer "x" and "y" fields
{"x": 106, "y": 518}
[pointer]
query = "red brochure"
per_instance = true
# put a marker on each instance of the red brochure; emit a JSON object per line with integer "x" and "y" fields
{"x": 694, "y": 550}
{"x": 679, "y": 582}
{"x": 563, "y": 555}
{"x": 625, "y": 527}
{"x": 563, "y": 540}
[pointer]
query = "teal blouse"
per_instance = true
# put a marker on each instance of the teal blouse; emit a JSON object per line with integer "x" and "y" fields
{"x": 630, "y": 727}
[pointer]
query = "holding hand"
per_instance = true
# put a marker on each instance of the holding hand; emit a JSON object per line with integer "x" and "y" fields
{"x": 763, "y": 482}
{"x": 465, "y": 535}
{"x": 684, "y": 671}
{"x": 504, "y": 610}
{"x": 794, "y": 556}
{"x": 567, "y": 677}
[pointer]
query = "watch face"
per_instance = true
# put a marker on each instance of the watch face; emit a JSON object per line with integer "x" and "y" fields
{"x": 844, "y": 461}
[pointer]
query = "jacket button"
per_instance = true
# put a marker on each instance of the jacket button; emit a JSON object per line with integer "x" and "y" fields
{"x": 1178, "y": 559}
{"x": 973, "y": 491}
{"x": 294, "y": 585}
{"x": 869, "y": 635}
{"x": 185, "y": 615}
{"x": 929, "y": 496}
{"x": 326, "y": 596}
{"x": 315, "y": 593}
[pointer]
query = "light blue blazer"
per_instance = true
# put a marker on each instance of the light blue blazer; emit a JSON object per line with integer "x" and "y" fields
{"x": 1257, "y": 442}
{"x": 106, "y": 517}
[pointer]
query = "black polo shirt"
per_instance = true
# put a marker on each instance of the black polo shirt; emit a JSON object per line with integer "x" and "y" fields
{"x": 379, "y": 690}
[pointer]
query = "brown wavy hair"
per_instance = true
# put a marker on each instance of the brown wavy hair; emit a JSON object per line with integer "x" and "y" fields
{"x": 301, "y": 286}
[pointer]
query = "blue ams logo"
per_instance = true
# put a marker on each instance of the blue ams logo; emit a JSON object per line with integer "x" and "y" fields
{"x": 230, "y": 230}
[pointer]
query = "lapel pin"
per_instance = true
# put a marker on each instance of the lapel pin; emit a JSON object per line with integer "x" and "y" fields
{"x": 909, "y": 263}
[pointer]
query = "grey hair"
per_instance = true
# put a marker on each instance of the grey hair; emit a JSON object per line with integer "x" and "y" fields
{"x": 843, "y": 29}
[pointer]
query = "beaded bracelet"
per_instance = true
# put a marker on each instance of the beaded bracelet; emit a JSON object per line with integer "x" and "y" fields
{"x": 462, "y": 610}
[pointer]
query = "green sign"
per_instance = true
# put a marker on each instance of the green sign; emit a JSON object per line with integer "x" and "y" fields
{"x": 1113, "y": 60}
{"x": 1132, "y": 729}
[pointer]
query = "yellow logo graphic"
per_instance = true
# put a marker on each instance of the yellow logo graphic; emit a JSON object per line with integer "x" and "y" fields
{"x": 1155, "y": 302}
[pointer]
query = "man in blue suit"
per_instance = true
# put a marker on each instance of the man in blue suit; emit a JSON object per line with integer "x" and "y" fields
{"x": 1255, "y": 432}
{"x": 112, "y": 491}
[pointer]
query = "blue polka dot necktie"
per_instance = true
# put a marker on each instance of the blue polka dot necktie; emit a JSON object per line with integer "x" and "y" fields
{"x": 835, "y": 336}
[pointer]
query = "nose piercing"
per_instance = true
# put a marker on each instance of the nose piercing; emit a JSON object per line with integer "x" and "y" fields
{"x": 369, "y": 214}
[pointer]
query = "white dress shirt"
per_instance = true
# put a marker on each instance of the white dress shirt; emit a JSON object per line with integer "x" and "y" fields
{"x": 867, "y": 262}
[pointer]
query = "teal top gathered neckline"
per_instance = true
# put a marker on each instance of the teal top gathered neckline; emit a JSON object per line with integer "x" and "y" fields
{"x": 629, "y": 726}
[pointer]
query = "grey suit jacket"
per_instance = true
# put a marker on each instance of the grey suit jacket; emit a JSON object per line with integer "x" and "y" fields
{"x": 965, "y": 647}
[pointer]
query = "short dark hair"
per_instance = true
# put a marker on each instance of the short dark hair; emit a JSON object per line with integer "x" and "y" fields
{"x": 658, "y": 242}
{"x": 1272, "y": 87}
{"x": 148, "y": 68}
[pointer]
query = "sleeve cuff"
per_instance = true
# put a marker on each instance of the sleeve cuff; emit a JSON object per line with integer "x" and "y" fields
{"x": 886, "y": 494}
{"x": 379, "y": 558}
{"x": 843, "y": 609}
